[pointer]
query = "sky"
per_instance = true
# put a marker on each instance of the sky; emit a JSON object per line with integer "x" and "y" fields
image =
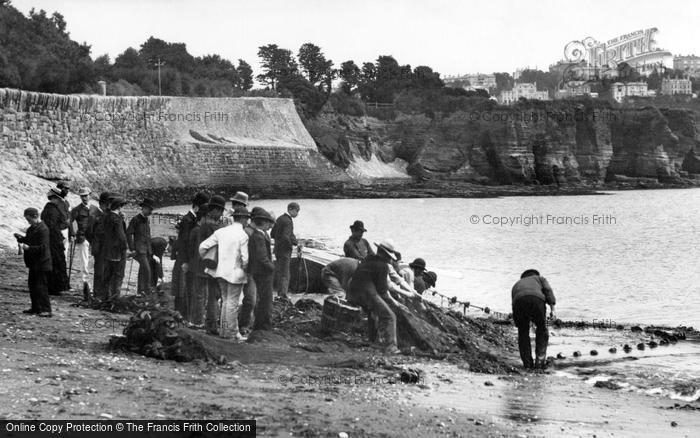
{"x": 451, "y": 36}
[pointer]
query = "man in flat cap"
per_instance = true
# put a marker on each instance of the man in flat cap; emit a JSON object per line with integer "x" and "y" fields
{"x": 37, "y": 256}
{"x": 52, "y": 215}
{"x": 138, "y": 237}
{"x": 285, "y": 241}
{"x": 79, "y": 219}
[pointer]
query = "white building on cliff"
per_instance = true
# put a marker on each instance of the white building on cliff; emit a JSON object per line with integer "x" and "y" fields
{"x": 526, "y": 90}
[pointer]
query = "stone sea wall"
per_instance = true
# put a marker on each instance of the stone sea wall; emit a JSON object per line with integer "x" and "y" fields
{"x": 127, "y": 143}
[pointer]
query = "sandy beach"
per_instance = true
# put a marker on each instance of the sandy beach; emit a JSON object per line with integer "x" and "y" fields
{"x": 62, "y": 367}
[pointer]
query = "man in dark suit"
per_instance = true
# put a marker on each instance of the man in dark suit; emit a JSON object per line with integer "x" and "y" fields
{"x": 37, "y": 257}
{"x": 114, "y": 248}
{"x": 138, "y": 236}
{"x": 56, "y": 220}
{"x": 181, "y": 280}
{"x": 261, "y": 267}
{"x": 285, "y": 241}
{"x": 94, "y": 233}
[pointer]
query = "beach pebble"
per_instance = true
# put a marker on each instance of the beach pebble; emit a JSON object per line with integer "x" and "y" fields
{"x": 594, "y": 352}
{"x": 674, "y": 424}
{"x": 488, "y": 383}
{"x": 577, "y": 353}
{"x": 636, "y": 329}
{"x": 342, "y": 435}
{"x": 561, "y": 356}
{"x": 640, "y": 346}
{"x": 613, "y": 350}
{"x": 107, "y": 416}
{"x": 627, "y": 348}
{"x": 653, "y": 344}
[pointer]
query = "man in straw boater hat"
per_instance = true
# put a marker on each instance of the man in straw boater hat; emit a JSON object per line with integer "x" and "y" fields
{"x": 204, "y": 309}
{"x": 285, "y": 241}
{"x": 369, "y": 289}
{"x": 37, "y": 256}
{"x": 356, "y": 246}
{"x": 261, "y": 267}
{"x": 181, "y": 280}
{"x": 230, "y": 270}
{"x": 114, "y": 248}
{"x": 55, "y": 219}
{"x": 138, "y": 237}
{"x": 80, "y": 216}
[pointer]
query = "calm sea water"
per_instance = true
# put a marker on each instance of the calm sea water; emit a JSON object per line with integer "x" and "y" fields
{"x": 623, "y": 257}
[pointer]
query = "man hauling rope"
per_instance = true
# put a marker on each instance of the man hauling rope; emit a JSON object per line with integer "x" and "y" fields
{"x": 530, "y": 294}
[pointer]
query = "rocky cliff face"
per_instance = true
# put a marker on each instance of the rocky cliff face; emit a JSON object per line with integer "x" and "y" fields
{"x": 580, "y": 142}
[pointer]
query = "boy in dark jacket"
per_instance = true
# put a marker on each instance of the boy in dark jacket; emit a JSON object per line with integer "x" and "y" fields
{"x": 37, "y": 257}
{"x": 56, "y": 221}
{"x": 114, "y": 248}
{"x": 261, "y": 267}
{"x": 138, "y": 236}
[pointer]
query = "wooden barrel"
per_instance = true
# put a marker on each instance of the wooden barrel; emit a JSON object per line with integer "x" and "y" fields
{"x": 339, "y": 316}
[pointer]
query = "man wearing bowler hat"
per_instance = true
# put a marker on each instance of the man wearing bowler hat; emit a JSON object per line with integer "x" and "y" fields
{"x": 138, "y": 236}
{"x": 52, "y": 215}
{"x": 95, "y": 235}
{"x": 369, "y": 289}
{"x": 79, "y": 219}
{"x": 182, "y": 279}
{"x": 356, "y": 247}
{"x": 114, "y": 248}
{"x": 37, "y": 256}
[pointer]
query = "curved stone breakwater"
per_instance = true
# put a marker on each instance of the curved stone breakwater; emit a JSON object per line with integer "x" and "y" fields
{"x": 122, "y": 143}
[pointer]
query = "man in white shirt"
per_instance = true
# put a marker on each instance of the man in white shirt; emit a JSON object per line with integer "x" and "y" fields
{"x": 230, "y": 270}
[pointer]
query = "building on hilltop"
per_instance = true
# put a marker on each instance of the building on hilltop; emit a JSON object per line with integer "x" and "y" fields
{"x": 485, "y": 81}
{"x": 526, "y": 90}
{"x": 621, "y": 90}
{"x": 573, "y": 89}
{"x": 689, "y": 64}
{"x": 676, "y": 86}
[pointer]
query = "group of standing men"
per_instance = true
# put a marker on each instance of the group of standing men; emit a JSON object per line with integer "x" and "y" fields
{"x": 216, "y": 262}
{"x": 99, "y": 231}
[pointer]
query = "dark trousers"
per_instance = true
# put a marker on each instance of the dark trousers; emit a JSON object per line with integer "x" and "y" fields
{"x": 282, "y": 262}
{"x": 113, "y": 277}
{"x": 211, "y": 319}
{"x": 245, "y": 315}
{"x": 58, "y": 278}
{"x": 198, "y": 299}
{"x": 144, "y": 279}
{"x": 526, "y": 310}
{"x": 263, "y": 308}
{"x": 381, "y": 320}
{"x": 98, "y": 287}
{"x": 39, "y": 291}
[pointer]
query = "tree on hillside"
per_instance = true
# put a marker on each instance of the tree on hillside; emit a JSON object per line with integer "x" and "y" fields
{"x": 351, "y": 75}
{"x": 504, "y": 81}
{"x": 245, "y": 75}
{"x": 318, "y": 70}
{"x": 173, "y": 54}
{"x": 424, "y": 77}
{"x": 276, "y": 63}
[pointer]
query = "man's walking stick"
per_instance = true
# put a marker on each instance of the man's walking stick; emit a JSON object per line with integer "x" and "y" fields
{"x": 128, "y": 279}
{"x": 70, "y": 264}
